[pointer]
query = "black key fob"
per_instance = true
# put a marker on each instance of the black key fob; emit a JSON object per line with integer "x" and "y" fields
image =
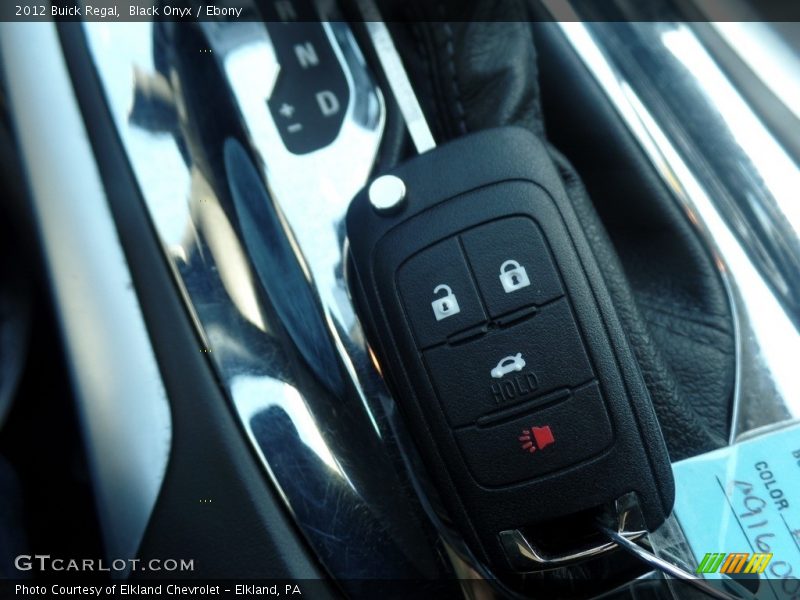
{"x": 492, "y": 324}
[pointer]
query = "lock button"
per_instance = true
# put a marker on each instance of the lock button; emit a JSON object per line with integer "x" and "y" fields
{"x": 513, "y": 276}
{"x": 439, "y": 294}
{"x": 513, "y": 265}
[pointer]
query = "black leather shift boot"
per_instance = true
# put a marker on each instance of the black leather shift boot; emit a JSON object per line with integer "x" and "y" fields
{"x": 471, "y": 75}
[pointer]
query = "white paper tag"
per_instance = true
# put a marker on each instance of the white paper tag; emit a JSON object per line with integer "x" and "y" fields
{"x": 745, "y": 499}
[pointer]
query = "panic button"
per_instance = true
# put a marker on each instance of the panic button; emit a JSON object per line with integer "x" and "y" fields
{"x": 540, "y": 442}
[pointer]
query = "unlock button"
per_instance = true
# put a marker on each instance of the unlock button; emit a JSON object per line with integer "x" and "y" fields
{"x": 444, "y": 306}
{"x": 438, "y": 293}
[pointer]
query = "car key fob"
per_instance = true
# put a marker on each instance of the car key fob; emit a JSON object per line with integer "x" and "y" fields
{"x": 492, "y": 324}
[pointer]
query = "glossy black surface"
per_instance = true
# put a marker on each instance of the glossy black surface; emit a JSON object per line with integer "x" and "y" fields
{"x": 311, "y": 95}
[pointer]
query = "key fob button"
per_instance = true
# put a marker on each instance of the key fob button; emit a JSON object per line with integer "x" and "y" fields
{"x": 438, "y": 293}
{"x": 512, "y": 265}
{"x": 509, "y": 366}
{"x": 543, "y": 441}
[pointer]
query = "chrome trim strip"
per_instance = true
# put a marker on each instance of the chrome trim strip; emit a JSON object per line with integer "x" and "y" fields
{"x": 256, "y": 237}
{"x": 625, "y": 516}
{"x": 122, "y": 403}
{"x": 768, "y": 56}
{"x": 767, "y": 338}
{"x": 526, "y": 558}
{"x": 397, "y": 77}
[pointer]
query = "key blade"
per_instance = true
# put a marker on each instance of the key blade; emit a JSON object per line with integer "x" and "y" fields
{"x": 397, "y": 77}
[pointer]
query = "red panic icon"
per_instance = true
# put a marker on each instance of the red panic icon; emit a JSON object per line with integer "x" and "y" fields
{"x": 536, "y": 438}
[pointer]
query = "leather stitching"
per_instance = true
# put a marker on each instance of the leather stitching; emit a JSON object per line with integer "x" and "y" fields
{"x": 451, "y": 65}
{"x": 428, "y": 64}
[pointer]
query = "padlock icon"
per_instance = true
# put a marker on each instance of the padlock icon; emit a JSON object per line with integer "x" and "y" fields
{"x": 447, "y": 305}
{"x": 513, "y": 276}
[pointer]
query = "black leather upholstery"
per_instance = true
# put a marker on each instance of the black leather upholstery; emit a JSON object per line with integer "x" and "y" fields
{"x": 679, "y": 321}
{"x": 472, "y": 75}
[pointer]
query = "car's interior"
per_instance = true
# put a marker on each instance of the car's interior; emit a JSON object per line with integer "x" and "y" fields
{"x": 402, "y": 299}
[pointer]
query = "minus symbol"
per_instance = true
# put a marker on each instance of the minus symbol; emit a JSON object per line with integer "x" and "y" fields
{"x": 294, "y": 128}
